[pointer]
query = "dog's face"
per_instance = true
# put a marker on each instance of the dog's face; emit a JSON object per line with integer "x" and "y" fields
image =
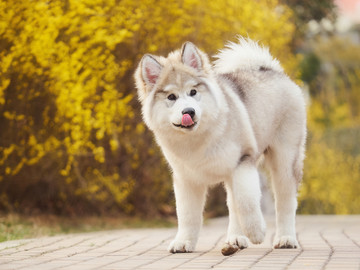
{"x": 176, "y": 92}
{"x": 181, "y": 99}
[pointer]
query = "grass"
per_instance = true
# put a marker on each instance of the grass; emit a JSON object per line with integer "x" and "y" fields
{"x": 15, "y": 226}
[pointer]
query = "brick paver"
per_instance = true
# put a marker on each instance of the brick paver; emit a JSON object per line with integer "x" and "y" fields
{"x": 327, "y": 242}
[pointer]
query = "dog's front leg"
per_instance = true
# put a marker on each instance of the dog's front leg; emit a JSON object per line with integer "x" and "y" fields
{"x": 235, "y": 239}
{"x": 246, "y": 195}
{"x": 190, "y": 199}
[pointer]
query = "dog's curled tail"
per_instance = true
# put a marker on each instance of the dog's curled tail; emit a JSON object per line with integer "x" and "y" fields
{"x": 245, "y": 55}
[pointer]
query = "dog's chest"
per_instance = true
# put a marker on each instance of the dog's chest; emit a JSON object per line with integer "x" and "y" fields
{"x": 209, "y": 165}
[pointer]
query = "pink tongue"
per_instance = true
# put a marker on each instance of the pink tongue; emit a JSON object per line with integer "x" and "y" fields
{"x": 186, "y": 120}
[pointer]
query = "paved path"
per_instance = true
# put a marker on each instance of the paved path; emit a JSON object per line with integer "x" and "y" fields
{"x": 327, "y": 242}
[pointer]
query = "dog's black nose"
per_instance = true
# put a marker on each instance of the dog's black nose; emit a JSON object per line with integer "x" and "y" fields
{"x": 189, "y": 111}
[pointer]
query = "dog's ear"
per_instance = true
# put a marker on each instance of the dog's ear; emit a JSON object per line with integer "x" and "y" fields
{"x": 190, "y": 56}
{"x": 150, "y": 69}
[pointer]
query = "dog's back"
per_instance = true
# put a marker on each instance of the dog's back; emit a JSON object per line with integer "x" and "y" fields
{"x": 274, "y": 103}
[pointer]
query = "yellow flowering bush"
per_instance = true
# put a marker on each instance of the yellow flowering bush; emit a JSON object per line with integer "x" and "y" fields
{"x": 331, "y": 180}
{"x": 332, "y": 165}
{"x": 71, "y": 138}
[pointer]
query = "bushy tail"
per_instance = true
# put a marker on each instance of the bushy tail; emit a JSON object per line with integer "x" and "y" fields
{"x": 245, "y": 55}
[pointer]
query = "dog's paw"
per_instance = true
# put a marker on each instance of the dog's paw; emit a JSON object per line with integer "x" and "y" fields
{"x": 233, "y": 244}
{"x": 255, "y": 231}
{"x": 286, "y": 241}
{"x": 256, "y": 236}
{"x": 177, "y": 246}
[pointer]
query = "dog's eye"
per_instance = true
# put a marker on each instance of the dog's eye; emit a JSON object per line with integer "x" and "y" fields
{"x": 171, "y": 97}
{"x": 193, "y": 92}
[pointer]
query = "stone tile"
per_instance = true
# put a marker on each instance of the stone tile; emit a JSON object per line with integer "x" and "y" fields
{"x": 327, "y": 242}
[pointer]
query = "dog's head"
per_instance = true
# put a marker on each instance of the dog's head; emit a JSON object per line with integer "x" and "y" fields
{"x": 177, "y": 92}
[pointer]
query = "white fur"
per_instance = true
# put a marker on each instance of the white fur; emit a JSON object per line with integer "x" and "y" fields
{"x": 229, "y": 137}
{"x": 246, "y": 54}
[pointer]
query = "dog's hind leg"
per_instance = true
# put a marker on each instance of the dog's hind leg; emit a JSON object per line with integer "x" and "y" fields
{"x": 285, "y": 164}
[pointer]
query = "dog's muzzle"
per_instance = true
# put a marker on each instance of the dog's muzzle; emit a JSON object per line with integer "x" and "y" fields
{"x": 187, "y": 120}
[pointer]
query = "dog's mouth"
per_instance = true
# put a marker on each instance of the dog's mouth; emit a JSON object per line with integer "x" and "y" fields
{"x": 187, "y": 122}
{"x": 185, "y": 127}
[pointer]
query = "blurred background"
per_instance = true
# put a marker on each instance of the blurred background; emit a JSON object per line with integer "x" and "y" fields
{"x": 72, "y": 141}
